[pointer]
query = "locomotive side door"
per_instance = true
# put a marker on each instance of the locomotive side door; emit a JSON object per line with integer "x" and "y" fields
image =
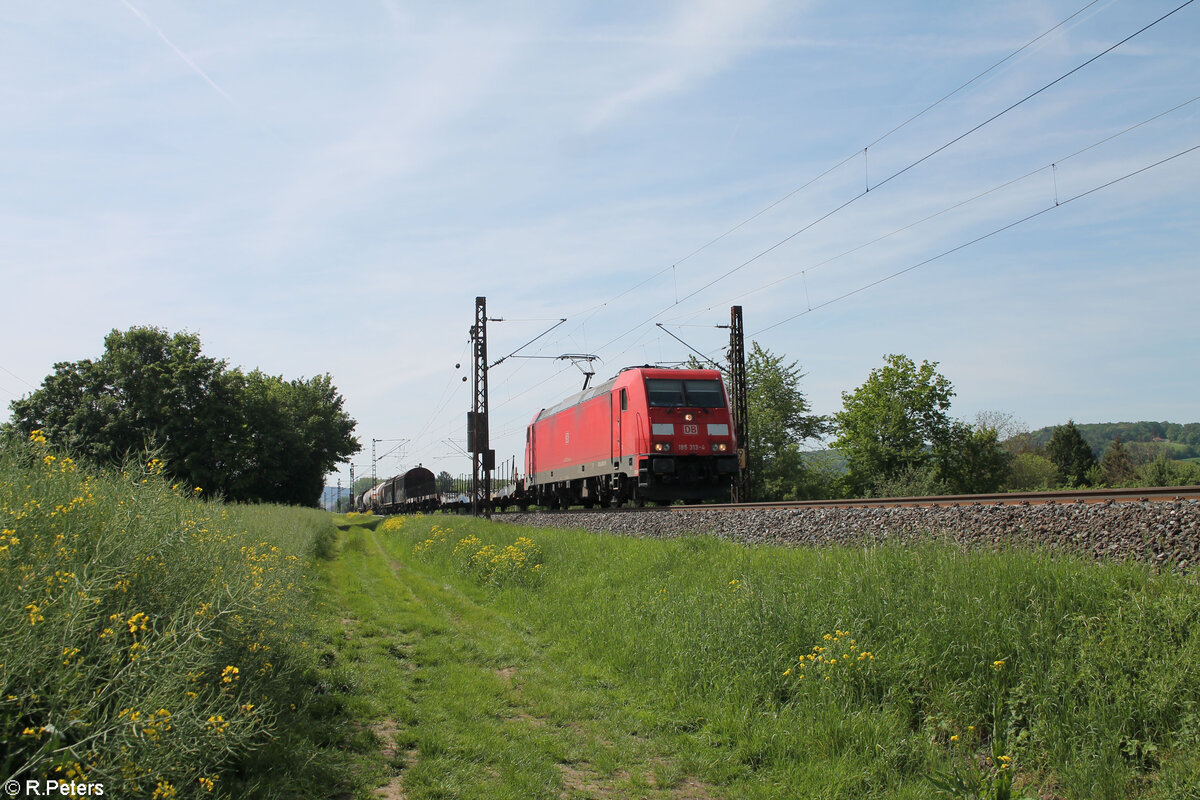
{"x": 531, "y": 451}
{"x": 620, "y": 406}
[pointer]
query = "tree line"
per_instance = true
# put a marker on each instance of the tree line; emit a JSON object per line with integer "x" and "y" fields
{"x": 246, "y": 436}
{"x": 894, "y": 437}
{"x": 254, "y": 437}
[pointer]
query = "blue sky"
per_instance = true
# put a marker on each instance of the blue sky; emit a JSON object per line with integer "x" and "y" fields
{"x": 318, "y": 187}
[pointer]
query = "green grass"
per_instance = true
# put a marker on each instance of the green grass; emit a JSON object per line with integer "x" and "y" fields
{"x": 447, "y": 657}
{"x": 455, "y": 699}
{"x": 662, "y": 668}
{"x": 152, "y": 642}
{"x": 343, "y": 522}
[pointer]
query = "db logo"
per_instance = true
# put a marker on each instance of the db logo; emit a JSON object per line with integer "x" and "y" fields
{"x": 691, "y": 430}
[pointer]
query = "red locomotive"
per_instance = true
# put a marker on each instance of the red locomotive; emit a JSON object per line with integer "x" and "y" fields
{"x": 648, "y": 434}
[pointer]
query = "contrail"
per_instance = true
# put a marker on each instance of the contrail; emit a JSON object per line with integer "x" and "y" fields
{"x": 178, "y": 52}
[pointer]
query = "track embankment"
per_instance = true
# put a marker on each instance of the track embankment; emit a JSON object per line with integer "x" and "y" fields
{"x": 1165, "y": 534}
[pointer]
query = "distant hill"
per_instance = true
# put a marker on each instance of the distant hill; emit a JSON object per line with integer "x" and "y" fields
{"x": 1176, "y": 440}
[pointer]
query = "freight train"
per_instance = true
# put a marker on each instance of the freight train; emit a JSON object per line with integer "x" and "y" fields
{"x": 415, "y": 490}
{"x": 649, "y": 434}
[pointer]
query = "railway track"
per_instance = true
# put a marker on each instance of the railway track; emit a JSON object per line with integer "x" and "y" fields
{"x": 1139, "y": 495}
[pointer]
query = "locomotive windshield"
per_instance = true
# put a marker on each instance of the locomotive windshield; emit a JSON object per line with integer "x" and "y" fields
{"x": 671, "y": 393}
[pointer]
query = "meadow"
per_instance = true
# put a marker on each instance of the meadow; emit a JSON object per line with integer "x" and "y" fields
{"x": 168, "y": 646}
{"x": 699, "y": 668}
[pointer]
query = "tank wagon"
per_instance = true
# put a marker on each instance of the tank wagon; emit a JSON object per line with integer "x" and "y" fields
{"x": 649, "y": 434}
{"x": 366, "y": 501}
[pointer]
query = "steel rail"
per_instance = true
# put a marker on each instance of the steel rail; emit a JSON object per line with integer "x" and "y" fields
{"x": 1145, "y": 494}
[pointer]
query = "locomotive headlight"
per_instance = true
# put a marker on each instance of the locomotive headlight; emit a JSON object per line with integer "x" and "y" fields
{"x": 720, "y": 447}
{"x": 688, "y": 417}
{"x": 662, "y": 447}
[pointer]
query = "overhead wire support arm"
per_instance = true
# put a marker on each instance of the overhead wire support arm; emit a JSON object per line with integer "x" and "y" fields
{"x": 531, "y": 341}
{"x": 694, "y": 350}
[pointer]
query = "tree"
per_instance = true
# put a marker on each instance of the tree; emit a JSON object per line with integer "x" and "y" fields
{"x": 1029, "y": 471}
{"x": 889, "y": 426}
{"x": 779, "y": 422}
{"x": 898, "y": 437}
{"x": 445, "y": 482}
{"x": 247, "y": 436}
{"x": 1162, "y": 471}
{"x": 971, "y": 460}
{"x": 1070, "y": 454}
{"x": 1116, "y": 465}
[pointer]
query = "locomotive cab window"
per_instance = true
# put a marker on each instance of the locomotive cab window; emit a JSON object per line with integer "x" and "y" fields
{"x": 704, "y": 394}
{"x": 669, "y": 393}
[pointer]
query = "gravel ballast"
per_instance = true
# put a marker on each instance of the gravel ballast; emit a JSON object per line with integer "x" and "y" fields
{"x": 1165, "y": 533}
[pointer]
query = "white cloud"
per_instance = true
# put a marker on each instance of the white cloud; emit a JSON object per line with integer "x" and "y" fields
{"x": 699, "y": 40}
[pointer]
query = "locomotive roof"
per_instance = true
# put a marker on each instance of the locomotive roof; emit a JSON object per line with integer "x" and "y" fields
{"x": 607, "y": 386}
{"x": 578, "y": 397}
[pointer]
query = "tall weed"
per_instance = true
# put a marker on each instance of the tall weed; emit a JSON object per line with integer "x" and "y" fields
{"x": 150, "y": 641}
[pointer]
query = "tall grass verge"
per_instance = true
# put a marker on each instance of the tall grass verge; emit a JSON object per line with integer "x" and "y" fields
{"x": 149, "y": 641}
{"x": 883, "y": 672}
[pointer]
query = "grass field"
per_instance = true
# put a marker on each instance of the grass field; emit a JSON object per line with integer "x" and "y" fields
{"x": 502, "y": 662}
{"x": 168, "y": 647}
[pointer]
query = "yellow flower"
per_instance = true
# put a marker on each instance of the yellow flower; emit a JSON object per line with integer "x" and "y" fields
{"x": 788, "y": 671}
{"x": 954, "y": 738}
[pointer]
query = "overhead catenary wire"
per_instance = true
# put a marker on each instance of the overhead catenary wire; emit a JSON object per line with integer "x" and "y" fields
{"x": 1006, "y": 184}
{"x": 673, "y": 267}
{"x": 830, "y": 170}
{"x": 977, "y": 239}
{"x": 1034, "y": 94}
{"x": 18, "y": 377}
{"x": 868, "y": 186}
{"x": 901, "y": 171}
